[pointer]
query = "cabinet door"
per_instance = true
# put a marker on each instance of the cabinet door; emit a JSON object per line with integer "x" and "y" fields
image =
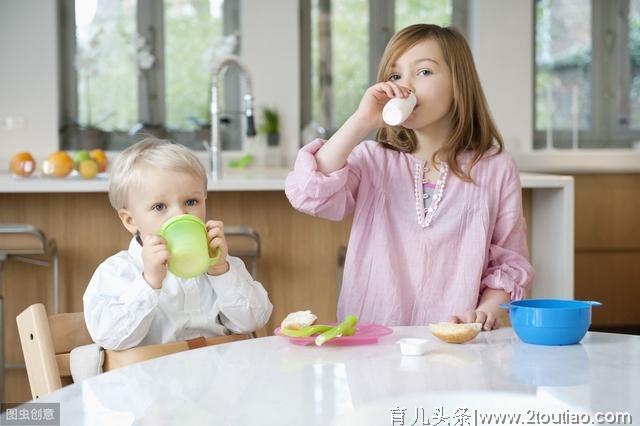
{"x": 607, "y": 268}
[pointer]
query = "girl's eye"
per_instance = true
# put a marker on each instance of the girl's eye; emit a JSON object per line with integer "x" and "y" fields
{"x": 424, "y": 72}
{"x": 158, "y": 207}
{"x": 192, "y": 202}
{"x": 394, "y": 77}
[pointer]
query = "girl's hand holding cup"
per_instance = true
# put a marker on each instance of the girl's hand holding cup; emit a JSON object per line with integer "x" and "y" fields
{"x": 155, "y": 257}
{"x": 217, "y": 241}
{"x": 374, "y": 100}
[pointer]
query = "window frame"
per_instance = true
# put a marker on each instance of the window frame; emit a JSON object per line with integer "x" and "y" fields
{"x": 381, "y": 29}
{"x": 605, "y": 132}
{"x": 151, "y": 90}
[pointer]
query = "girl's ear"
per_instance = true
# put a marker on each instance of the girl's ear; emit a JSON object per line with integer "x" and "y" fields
{"x": 128, "y": 221}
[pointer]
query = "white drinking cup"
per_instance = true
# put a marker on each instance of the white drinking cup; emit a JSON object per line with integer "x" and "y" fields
{"x": 396, "y": 111}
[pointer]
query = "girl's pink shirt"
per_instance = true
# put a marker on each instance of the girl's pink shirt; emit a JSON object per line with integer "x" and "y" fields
{"x": 398, "y": 273}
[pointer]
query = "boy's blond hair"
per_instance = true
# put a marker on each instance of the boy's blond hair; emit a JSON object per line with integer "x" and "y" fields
{"x": 126, "y": 170}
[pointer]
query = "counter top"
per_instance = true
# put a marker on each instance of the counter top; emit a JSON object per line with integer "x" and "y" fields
{"x": 583, "y": 161}
{"x": 250, "y": 179}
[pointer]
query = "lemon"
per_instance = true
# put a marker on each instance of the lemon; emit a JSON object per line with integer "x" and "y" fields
{"x": 88, "y": 169}
{"x": 80, "y": 156}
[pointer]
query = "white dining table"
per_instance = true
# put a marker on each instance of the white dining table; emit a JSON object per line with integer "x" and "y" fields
{"x": 270, "y": 381}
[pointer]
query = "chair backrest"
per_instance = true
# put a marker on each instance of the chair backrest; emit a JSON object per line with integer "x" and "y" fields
{"x": 38, "y": 350}
{"x": 244, "y": 242}
{"x": 22, "y": 239}
{"x": 48, "y": 341}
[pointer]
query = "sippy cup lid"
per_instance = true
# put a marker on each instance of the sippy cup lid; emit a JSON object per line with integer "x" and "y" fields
{"x": 180, "y": 218}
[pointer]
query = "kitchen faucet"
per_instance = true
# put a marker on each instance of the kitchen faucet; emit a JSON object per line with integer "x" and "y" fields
{"x": 215, "y": 149}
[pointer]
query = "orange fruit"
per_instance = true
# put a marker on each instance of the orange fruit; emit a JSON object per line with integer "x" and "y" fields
{"x": 88, "y": 169}
{"x": 100, "y": 157}
{"x": 22, "y": 164}
{"x": 58, "y": 164}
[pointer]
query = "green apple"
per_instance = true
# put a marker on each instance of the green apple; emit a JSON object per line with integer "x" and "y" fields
{"x": 80, "y": 156}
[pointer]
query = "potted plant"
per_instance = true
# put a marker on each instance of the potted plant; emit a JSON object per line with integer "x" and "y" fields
{"x": 270, "y": 126}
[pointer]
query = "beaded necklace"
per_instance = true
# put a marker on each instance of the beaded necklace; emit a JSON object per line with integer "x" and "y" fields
{"x": 425, "y": 215}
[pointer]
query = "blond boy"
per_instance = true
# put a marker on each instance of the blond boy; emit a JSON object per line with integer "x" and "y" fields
{"x": 132, "y": 299}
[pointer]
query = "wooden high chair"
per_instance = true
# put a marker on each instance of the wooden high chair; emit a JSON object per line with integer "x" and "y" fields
{"x": 48, "y": 340}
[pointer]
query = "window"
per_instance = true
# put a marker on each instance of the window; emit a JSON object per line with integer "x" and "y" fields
{"x": 136, "y": 67}
{"x": 409, "y": 12}
{"x": 192, "y": 30}
{"x": 342, "y": 43}
{"x": 106, "y": 90}
{"x": 587, "y": 78}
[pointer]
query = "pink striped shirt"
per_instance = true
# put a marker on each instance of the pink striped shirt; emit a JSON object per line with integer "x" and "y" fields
{"x": 398, "y": 272}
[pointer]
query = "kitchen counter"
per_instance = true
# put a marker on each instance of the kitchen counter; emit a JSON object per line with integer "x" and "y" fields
{"x": 583, "y": 161}
{"x": 551, "y": 221}
{"x": 250, "y": 179}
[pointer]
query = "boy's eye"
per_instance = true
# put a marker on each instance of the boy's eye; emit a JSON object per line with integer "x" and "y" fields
{"x": 424, "y": 72}
{"x": 192, "y": 202}
{"x": 394, "y": 77}
{"x": 158, "y": 207}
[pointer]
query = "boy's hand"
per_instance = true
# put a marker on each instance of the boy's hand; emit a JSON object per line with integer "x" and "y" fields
{"x": 155, "y": 257}
{"x": 488, "y": 320}
{"x": 215, "y": 235}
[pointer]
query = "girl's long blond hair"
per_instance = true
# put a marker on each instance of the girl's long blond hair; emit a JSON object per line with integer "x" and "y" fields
{"x": 473, "y": 128}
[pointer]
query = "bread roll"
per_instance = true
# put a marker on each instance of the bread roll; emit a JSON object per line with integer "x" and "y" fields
{"x": 297, "y": 320}
{"x": 455, "y": 333}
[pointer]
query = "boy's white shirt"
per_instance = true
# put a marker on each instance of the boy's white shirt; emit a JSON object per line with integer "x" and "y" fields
{"x": 122, "y": 311}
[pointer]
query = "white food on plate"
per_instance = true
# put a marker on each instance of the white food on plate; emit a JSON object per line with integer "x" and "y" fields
{"x": 297, "y": 320}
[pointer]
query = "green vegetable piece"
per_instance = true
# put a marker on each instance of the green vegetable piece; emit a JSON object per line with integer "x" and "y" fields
{"x": 342, "y": 329}
{"x": 306, "y": 331}
{"x": 351, "y": 331}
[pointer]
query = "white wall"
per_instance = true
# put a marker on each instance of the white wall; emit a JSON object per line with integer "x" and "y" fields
{"x": 28, "y": 77}
{"x": 270, "y": 48}
{"x": 501, "y": 33}
{"x": 502, "y": 43}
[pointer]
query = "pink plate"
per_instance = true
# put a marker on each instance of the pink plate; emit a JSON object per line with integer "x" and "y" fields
{"x": 366, "y": 334}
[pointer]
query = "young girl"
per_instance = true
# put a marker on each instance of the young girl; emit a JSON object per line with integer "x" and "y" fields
{"x": 438, "y": 232}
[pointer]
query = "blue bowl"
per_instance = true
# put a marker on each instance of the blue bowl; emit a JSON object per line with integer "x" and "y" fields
{"x": 550, "y": 321}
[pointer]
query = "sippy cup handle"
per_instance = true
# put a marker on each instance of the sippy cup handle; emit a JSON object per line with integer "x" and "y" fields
{"x": 216, "y": 257}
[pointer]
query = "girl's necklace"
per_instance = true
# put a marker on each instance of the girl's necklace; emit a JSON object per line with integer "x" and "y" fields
{"x": 425, "y": 173}
{"x": 420, "y": 176}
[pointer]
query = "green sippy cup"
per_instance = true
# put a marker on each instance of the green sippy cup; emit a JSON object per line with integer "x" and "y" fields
{"x": 187, "y": 241}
